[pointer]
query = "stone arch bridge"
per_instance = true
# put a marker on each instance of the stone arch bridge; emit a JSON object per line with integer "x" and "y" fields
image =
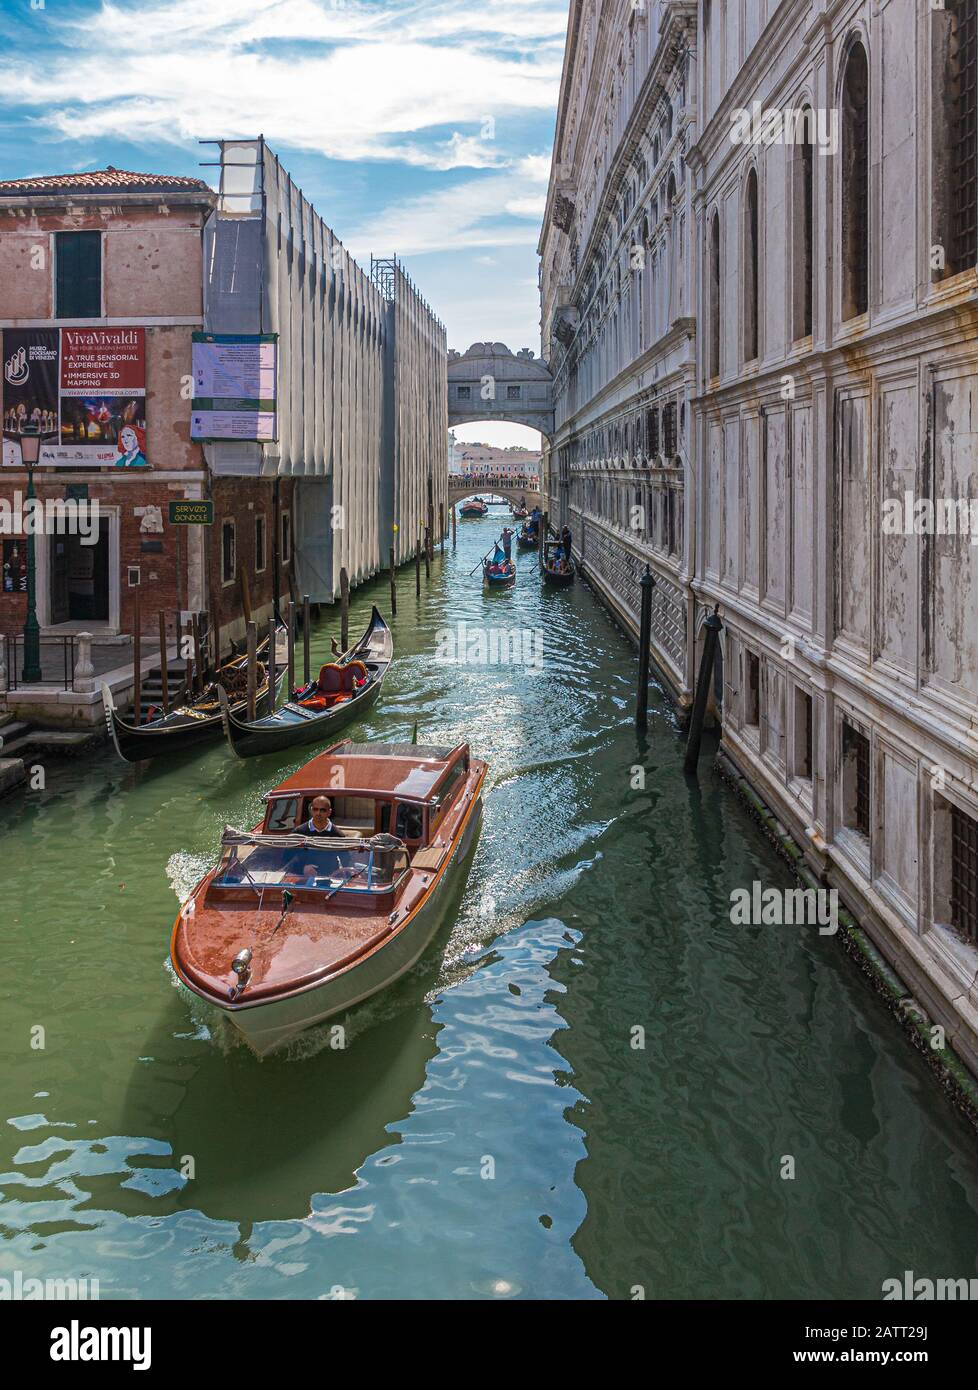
{"x": 488, "y": 382}
{"x": 512, "y": 489}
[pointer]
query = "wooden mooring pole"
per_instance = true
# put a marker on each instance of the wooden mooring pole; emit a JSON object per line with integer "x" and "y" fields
{"x": 272, "y": 634}
{"x": 417, "y": 569}
{"x": 713, "y": 627}
{"x": 454, "y": 525}
{"x": 647, "y": 583}
{"x": 164, "y": 668}
{"x": 441, "y": 526}
{"x": 198, "y": 656}
{"x": 252, "y": 632}
{"x": 427, "y": 553}
{"x": 344, "y": 610}
{"x": 291, "y": 622}
{"x": 393, "y": 585}
{"x": 137, "y": 660}
{"x": 305, "y": 639}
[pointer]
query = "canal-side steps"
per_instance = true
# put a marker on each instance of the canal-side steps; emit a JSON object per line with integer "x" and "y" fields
{"x": 152, "y": 686}
{"x": 19, "y": 737}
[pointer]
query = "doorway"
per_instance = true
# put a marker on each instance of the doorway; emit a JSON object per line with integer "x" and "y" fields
{"x": 80, "y": 577}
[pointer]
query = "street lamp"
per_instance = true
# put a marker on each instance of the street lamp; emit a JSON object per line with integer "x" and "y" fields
{"x": 30, "y": 452}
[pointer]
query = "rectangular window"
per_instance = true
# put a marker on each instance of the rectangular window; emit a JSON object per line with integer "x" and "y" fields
{"x": 803, "y": 734}
{"x": 286, "y": 546}
{"x": 963, "y": 92}
{"x": 78, "y": 275}
{"x": 964, "y": 874}
{"x": 670, "y": 442}
{"x": 464, "y": 393}
{"x": 653, "y": 429}
{"x": 752, "y": 689}
{"x": 228, "y": 566}
{"x": 259, "y": 544}
{"x": 512, "y": 393}
{"x": 855, "y": 779}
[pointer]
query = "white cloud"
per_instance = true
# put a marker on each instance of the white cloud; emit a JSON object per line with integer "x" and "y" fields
{"x": 483, "y": 211}
{"x": 351, "y": 81}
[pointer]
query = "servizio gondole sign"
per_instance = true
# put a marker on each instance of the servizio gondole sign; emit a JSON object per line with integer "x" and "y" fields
{"x": 84, "y": 389}
{"x": 234, "y": 387}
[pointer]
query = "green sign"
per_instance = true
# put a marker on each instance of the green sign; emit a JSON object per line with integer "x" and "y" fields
{"x": 190, "y": 513}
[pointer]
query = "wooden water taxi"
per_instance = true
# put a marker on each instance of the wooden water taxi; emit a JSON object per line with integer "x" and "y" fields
{"x": 292, "y": 927}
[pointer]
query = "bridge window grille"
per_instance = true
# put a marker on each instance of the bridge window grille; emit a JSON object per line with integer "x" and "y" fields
{"x": 855, "y": 190}
{"x": 670, "y": 442}
{"x": 963, "y": 152}
{"x": 512, "y": 393}
{"x": 465, "y": 393}
{"x": 964, "y": 873}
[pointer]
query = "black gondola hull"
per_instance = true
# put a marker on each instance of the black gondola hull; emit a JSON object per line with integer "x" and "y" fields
{"x": 288, "y": 728}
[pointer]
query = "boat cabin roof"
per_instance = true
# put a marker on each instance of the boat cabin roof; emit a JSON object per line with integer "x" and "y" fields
{"x": 408, "y": 770}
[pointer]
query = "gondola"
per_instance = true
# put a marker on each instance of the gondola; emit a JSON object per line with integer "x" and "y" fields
{"x": 519, "y": 513}
{"x": 527, "y": 539}
{"x": 344, "y": 690}
{"x": 549, "y": 573}
{"x": 499, "y": 572}
{"x": 197, "y": 720}
{"x": 474, "y": 508}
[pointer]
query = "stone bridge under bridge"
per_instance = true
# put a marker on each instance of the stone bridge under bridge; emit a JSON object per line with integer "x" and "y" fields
{"x": 488, "y": 382}
{"x": 512, "y": 489}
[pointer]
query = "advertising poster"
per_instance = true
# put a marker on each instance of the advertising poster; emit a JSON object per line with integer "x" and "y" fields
{"x": 30, "y": 386}
{"x": 14, "y": 568}
{"x": 85, "y": 387}
{"x": 234, "y": 386}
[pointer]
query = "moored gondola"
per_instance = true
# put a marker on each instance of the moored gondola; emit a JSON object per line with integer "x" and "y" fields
{"x": 556, "y": 568}
{"x": 344, "y": 690}
{"x": 196, "y": 720}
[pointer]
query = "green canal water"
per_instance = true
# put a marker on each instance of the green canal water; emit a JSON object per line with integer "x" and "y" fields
{"x": 492, "y": 1129}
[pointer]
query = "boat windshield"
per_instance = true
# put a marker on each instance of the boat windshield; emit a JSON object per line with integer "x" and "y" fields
{"x": 366, "y": 870}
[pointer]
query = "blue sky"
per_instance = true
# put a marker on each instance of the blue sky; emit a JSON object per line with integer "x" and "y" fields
{"x": 418, "y": 128}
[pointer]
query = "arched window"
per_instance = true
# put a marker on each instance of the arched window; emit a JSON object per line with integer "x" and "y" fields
{"x": 962, "y": 91}
{"x": 804, "y": 210}
{"x": 714, "y": 364}
{"x": 855, "y": 184}
{"x": 750, "y": 267}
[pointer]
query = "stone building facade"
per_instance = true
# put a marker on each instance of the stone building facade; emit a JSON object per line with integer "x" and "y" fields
{"x": 830, "y": 186}
{"x": 617, "y": 310}
{"x": 102, "y": 273}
